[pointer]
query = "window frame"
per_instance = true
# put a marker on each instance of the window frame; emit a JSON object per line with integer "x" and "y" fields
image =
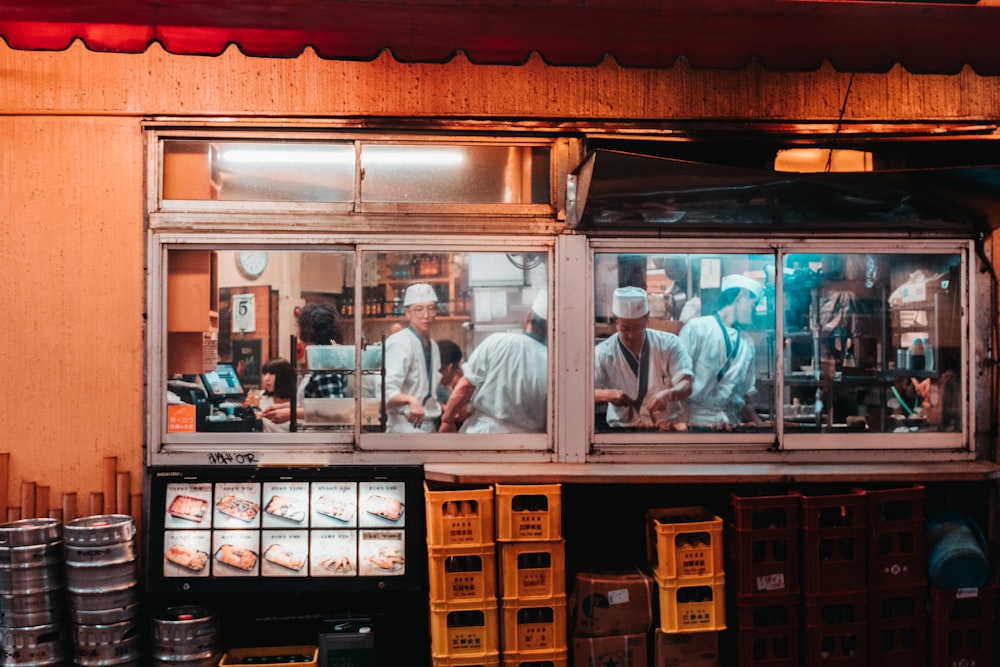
{"x": 320, "y": 447}
{"x": 734, "y": 446}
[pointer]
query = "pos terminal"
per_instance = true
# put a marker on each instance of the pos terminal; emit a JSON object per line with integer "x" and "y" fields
{"x": 225, "y": 394}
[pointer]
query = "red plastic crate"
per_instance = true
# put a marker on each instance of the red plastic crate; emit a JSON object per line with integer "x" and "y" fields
{"x": 767, "y": 631}
{"x": 836, "y": 630}
{"x": 834, "y": 560}
{"x": 962, "y": 626}
{"x": 896, "y": 555}
{"x": 765, "y": 562}
{"x": 766, "y": 512}
{"x": 834, "y": 510}
{"x": 894, "y": 504}
{"x": 898, "y": 622}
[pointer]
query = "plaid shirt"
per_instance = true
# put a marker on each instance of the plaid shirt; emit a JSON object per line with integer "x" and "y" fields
{"x": 325, "y": 385}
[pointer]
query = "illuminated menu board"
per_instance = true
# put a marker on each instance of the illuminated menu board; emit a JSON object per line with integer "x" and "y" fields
{"x": 223, "y": 530}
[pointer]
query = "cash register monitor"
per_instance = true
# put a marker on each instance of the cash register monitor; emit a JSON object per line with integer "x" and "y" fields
{"x": 223, "y": 384}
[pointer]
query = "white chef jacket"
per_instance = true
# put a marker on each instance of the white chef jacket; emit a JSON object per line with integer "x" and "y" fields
{"x": 509, "y": 371}
{"x": 406, "y": 372}
{"x": 718, "y": 398}
{"x": 668, "y": 363}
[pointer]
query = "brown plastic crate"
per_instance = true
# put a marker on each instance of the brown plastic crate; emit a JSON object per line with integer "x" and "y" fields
{"x": 896, "y": 555}
{"x": 836, "y": 630}
{"x": 766, "y": 512}
{"x": 834, "y": 560}
{"x": 763, "y": 562}
{"x": 898, "y": 622}
{"x": 834, "y": 510}
{"x": 962, "y": 626}
{"x": 894, "y": 504}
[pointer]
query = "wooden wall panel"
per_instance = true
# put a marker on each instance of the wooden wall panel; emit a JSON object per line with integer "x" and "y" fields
{"x": 71, "y": 263}
{"x": 80, "y": 81}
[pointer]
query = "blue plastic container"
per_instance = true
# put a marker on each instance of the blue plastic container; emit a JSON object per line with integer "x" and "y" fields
{"x": 956, "y": 551}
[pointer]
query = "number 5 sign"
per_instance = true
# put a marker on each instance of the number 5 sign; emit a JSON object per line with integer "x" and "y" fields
{"x": 244, "y": 313}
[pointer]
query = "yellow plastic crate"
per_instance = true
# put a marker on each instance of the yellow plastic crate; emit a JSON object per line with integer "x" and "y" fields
{"x": 534, "y": 625}
{"x": 459, "y": 517}
{"x": 693, "y": 604}
{"x": 532, "y": 569}
{"x": 464, "y": 629}
{"x": 554, "y": 658}
{"x": 529, "y": 512}
{"x": 462, "y": 574}
{"x": 684, "y": 542}
{"x": 484, "y": 660}
{"x": 238, "y": 656}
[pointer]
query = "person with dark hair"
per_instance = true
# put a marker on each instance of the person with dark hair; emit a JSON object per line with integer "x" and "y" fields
{"x": 505, "y": 386}
{"x": 723, "y": 357}
{"x": 451, "y": 368}
{"x": 318, "y": 325}
{"x": 277, "y": 382}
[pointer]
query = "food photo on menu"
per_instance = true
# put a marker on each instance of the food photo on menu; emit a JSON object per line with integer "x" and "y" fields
{"x": 186, "y": 553}
{"x": 334, "y": 504}
{"x": 382, "y": 553}
{"x": 284, "y": 553}
{"x": 236, "y": 553}
{"x": 188, "y": 506}
{"x": 382, "y": 503}
{"x": 287, "y": 504}
{"x": 333, "y": 553}
{"x": 237, "y": 505}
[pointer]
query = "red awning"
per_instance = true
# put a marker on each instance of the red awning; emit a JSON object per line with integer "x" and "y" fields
{"x": 852, "y": 35}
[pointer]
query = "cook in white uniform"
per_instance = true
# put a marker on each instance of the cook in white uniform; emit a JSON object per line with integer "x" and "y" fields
{"x": 723, "y": 357}
{"x": 412, "y": 363}
{"x": 505, "y": 381}
{"x": 641, "y": 373}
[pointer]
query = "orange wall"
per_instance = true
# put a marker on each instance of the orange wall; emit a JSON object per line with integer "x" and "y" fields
{"x": 71, "y": 188}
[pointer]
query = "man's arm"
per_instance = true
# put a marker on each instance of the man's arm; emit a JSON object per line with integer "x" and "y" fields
{"x": 460, "y": 397}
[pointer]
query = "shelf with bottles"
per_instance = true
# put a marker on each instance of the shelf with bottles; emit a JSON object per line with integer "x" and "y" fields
{"x": 396, "y": 271}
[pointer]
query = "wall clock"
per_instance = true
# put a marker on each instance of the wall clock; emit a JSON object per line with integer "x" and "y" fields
{"x": 251, "y": 263}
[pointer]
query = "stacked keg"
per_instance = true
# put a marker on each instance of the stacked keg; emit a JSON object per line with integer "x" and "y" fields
{"x": 186, "y": 636}
{"x": 32, "y": 594}
{"x": 102, "y": 578}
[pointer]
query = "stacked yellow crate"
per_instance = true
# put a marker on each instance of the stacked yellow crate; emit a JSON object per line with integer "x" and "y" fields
{"x": 684, "y": 545}
{"x": 462, "y": 577}
{"x": 532, "y": 574}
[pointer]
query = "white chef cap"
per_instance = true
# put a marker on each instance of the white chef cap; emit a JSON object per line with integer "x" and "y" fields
{"x": 540, "y": 307}
{"x": 735, "y": 280}
{"x": 629, "y": 303}
{"x": 419, "y": 293}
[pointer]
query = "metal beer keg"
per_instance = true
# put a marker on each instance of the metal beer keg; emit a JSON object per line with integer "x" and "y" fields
{"x": 186, "y": 636}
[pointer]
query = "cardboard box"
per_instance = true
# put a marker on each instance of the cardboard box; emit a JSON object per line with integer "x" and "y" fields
{"x": 617, "y": 650}
{"x": 685, "y": 649}
{"x": 613, "y": 603}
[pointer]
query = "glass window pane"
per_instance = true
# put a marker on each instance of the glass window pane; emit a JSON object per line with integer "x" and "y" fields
{"x": 230, "y": 318}
{"x": 872, "y": 343}
{"x": 455, "y": 174}
{"x": 462, "y": 322}
{"x": 258, "y": 171}
{"x": 684, "y": 342}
